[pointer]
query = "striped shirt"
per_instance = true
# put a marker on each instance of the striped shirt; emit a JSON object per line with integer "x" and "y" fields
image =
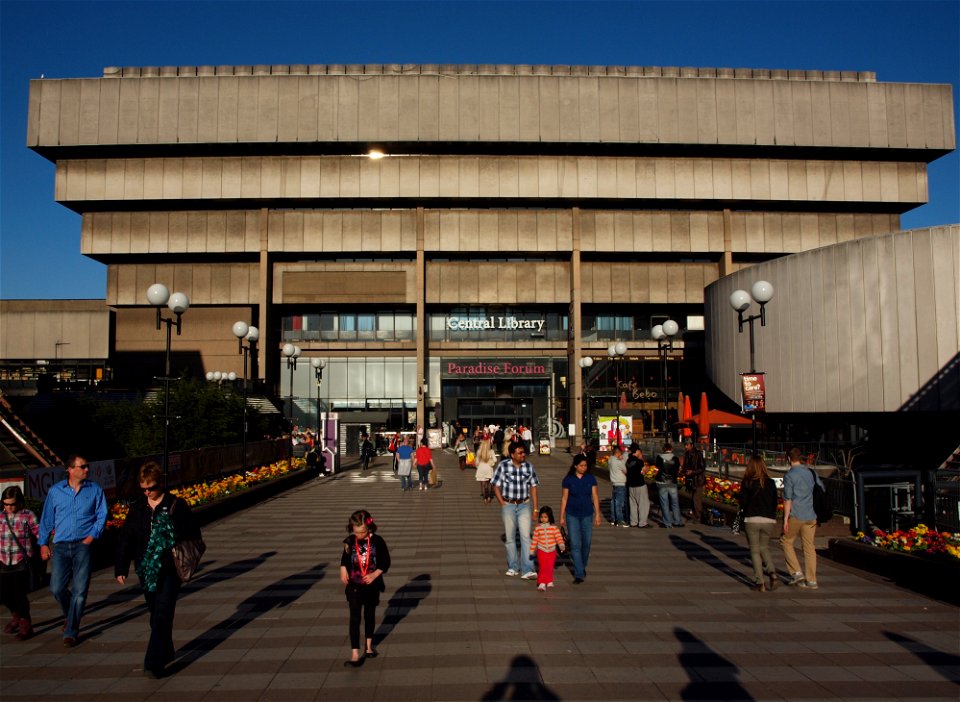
{"x": 546, "y": 537}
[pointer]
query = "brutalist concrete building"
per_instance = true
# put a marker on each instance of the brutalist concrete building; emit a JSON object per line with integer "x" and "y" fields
{"x": 452, "y": 240}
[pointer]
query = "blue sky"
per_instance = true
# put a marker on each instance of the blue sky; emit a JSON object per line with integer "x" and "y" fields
{"x": 40, "y": 240}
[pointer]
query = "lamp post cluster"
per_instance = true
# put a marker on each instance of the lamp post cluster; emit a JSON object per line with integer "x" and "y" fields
{"x": 159, "y": 295}
{"x": 663, "y": 334}
{"x": 292, "y": 353}
{"x": 245, "y": 332}
{"x": 220, "y": 376}
{"x": 740, "y": 300}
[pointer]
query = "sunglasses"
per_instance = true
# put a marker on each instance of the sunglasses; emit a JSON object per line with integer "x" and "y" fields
{"x": 9, "y": 504}
{"x": 82, "y": 466}
{"x": 150, "y": 488}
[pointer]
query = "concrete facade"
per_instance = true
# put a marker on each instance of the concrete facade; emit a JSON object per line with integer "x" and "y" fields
{"x": 585, "y": 193}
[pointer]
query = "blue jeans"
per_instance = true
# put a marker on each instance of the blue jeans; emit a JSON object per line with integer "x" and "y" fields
{"x": 517, "y": 518}
{"x": 618, "y": 504}
{"x": 70, "y": 562}
{"x": 406, "y": 482}
{"x": 670, "y": 504}
{"x": 580, "y": 530}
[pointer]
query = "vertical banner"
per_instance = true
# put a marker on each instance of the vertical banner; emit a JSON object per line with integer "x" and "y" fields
{"x": 753, "y": 393}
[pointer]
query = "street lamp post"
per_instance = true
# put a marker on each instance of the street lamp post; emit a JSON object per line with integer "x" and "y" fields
{"x": 740, "y": 300}
{"x": 242, "y": 331}
{"x": 292, "y": 353}
{"x": 663, "y": 334}
{"x": 318, "y": 364}
{"x": 616, "y": 352}
{"x": 159, "y": 295}
{"x": 584, "y": 364}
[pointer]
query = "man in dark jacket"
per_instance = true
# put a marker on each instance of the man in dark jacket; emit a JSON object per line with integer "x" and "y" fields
{"x": 695, "y": 472}
{"x": 637, "y": 495}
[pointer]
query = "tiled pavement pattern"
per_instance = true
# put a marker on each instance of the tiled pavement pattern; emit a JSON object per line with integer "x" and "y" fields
{"x": 662, "y": 615}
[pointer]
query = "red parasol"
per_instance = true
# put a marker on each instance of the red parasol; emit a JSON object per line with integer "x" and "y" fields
{"x": 704, "y": 425}
{"x": 687, "y": 410}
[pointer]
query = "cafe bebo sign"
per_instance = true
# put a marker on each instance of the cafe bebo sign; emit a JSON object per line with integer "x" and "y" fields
{"x": 493, "y": 322}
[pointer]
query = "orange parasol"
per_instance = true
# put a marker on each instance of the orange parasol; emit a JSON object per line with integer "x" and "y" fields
{"x": 687, "y": 410}
{"x": 704, "y": 415}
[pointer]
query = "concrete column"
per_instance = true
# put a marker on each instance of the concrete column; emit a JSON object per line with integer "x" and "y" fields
{"x": 726, "y": 260}
{"x": 575, "y": 349}
{"x": 422, "y": 331}
{"x": 265, "y": 293}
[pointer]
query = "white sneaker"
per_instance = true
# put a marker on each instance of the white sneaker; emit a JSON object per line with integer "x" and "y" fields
{"x": 542, "y": 587}
{"x": 549, "y": 584}
{"x": 529, "y": 576}
{"x": 808, "y": 585}
{"x": 512, "y": 573}
{"x": 795, "y": 579}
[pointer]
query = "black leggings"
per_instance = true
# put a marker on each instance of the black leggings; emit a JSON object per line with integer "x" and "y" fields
{"x": 369, "y": 621}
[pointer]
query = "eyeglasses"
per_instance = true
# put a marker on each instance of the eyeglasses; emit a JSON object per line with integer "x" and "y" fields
{"x": 150, "y": 488}
{"x": 9, "y": 504}
{"x": 82, "y": 466}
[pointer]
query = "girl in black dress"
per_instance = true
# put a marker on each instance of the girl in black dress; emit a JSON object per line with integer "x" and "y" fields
{"x": 364, "y": 560}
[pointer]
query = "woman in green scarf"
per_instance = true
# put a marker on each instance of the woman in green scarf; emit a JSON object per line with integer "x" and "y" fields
{"x": 154, "y": 524}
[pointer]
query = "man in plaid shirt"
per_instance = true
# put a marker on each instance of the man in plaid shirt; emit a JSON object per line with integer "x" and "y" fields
{"x": 515, "y": 486}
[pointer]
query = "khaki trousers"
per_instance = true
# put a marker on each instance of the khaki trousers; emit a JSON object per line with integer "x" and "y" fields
{"x": 806, "y": 531}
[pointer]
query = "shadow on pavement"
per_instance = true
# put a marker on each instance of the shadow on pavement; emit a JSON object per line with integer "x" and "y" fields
{"x": 275, "y": 595}
{"x": 696, "y": 552}
{"x": 404, "y": 601}
{"x": 946, "y": 664}
{"x": 732, "y": 549}
{"x": 712, "y": 677}
{"x": 522, "y": 682}
{"x": 128, "y": 593}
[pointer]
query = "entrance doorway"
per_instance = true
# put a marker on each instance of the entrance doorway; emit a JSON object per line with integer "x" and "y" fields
{"x": 501, "y": 411}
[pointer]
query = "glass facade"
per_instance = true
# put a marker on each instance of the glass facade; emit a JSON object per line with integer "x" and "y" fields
{"x": 354, "y": 325}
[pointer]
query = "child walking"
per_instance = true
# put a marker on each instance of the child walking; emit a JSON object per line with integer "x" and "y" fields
{"x": 545, "y": 541}
{"x": 364, "y": 560}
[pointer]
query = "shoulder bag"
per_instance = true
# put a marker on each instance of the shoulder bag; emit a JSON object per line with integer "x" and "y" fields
{"x": 186, "y": 555}
{"x": 36, "y": 565}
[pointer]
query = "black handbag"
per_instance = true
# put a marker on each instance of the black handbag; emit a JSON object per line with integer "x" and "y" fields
{"x": 186, "y": 556}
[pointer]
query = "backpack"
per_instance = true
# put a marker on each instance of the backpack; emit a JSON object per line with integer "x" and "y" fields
{"x": 822, "y": 504}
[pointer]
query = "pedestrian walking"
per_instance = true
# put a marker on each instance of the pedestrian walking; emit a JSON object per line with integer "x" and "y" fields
{"x": 74, "y": 515}
{"x": 638, "y": 496}
{"x": 404, "y": 454}
{"x": 546, "y": 541}
{"x": 18, "y": 534}
{"x": 485, "y": 464}
{"x": 758, "y": 500}
{"x": 579, "y": 513}
{"x": 800, "y": 519}
{"x": 424, "y": 458}
{"x": 515, "y": 486}
{"x": 364, "y": 561}
{"x": 156, "y": 522}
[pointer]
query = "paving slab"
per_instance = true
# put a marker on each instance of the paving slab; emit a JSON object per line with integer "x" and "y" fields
{"x": 663, "y": 615}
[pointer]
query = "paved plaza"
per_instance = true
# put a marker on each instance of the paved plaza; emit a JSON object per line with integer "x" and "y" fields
{"x": 663, "y": 614}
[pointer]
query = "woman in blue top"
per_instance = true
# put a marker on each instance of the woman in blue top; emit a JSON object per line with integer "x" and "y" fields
{"x": 579, "y": 513}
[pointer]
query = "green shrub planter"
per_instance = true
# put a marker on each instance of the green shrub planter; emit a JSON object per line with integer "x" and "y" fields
{"x": 933, "y": 575}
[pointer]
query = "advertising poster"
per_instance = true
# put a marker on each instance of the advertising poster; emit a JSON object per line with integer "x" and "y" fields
{"x": 607, "y": 426}
{"x": 753, "y": 393}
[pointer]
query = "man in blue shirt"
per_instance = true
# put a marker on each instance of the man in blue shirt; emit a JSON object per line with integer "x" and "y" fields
{"x": 799, "y": 519}
{"x": 75, "y": 511}
{"x": 515, "y": 485}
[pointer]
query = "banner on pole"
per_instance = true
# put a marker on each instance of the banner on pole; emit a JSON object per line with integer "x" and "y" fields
{"x": 753, "y": 393}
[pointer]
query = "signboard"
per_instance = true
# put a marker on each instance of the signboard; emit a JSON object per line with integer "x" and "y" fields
{"x": 509, "y": 323}
{"x": 607, "y": 426}
{"x": 494, "y": 368}
{"x": 753, "y": 393}
{"x": 40, "y": 480}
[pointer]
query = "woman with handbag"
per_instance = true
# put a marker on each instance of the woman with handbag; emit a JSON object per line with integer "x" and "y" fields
{"x": 18, "y": 533}
{"x": 155, "y": 524}
{"x": 758, "y": 502}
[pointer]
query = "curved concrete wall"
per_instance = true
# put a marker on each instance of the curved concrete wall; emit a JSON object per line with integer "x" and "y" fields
{"x": 871, "y": 325}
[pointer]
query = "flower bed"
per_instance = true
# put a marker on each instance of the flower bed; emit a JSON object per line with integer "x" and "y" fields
{"x": 206, "y": 493}
{"x": 919, "y": 540}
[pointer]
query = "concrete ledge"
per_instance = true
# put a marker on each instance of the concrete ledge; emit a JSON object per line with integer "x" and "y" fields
{"x": 933, "y": 575}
